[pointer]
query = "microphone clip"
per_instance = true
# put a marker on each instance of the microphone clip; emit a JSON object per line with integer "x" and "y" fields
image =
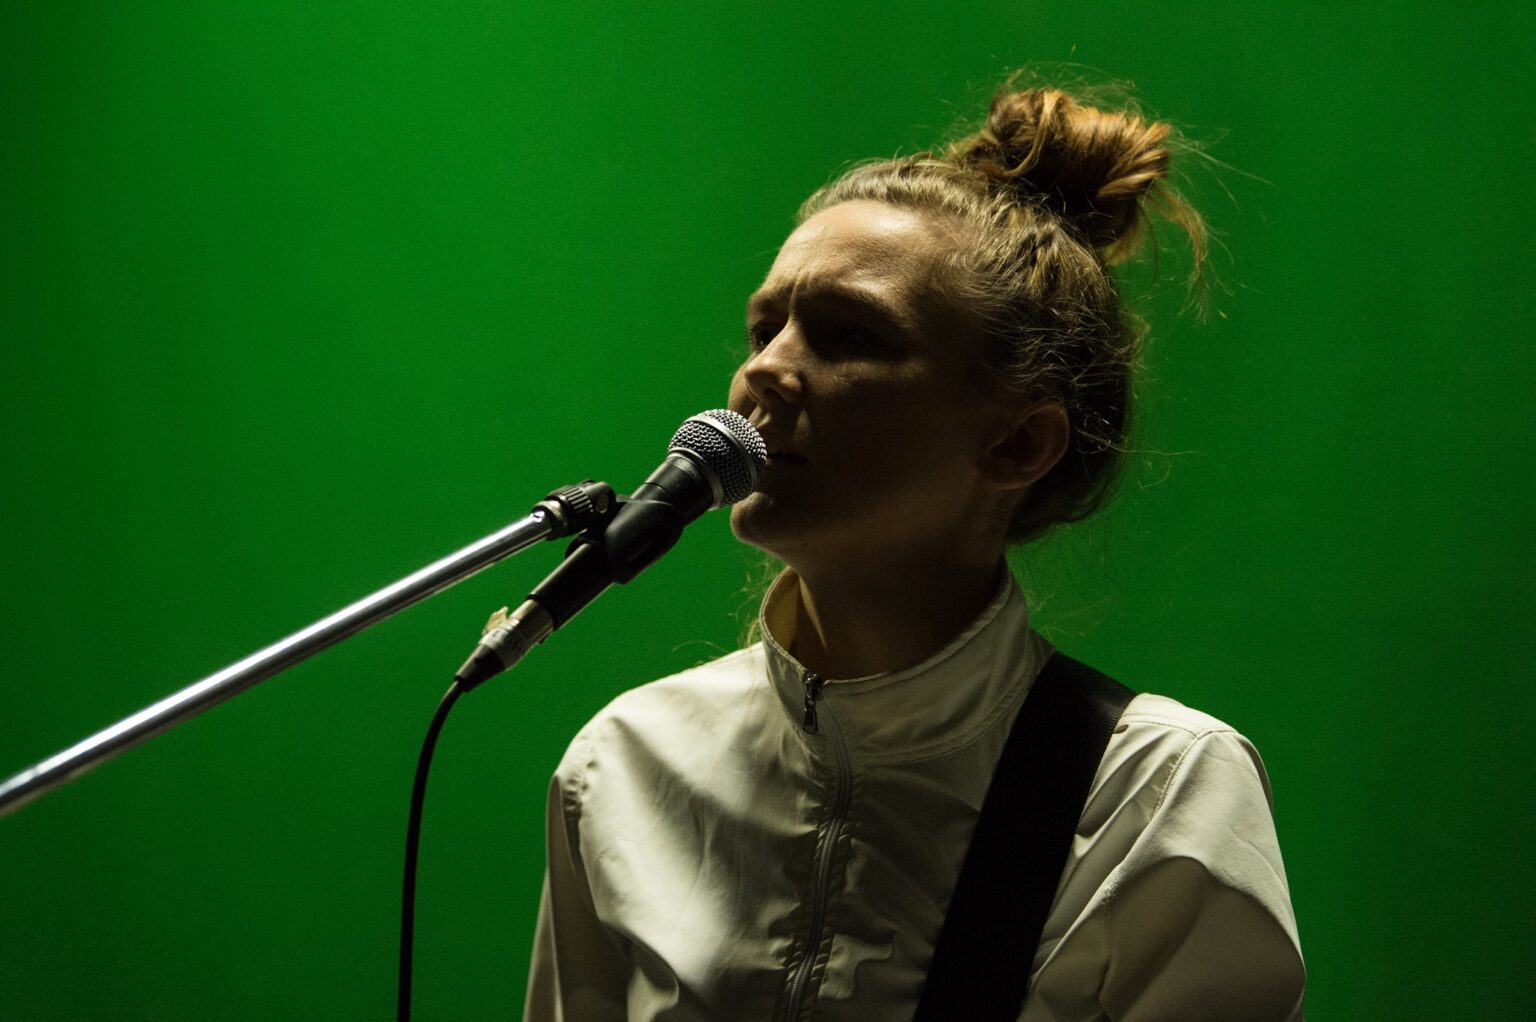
{"x": 586, "y": 507}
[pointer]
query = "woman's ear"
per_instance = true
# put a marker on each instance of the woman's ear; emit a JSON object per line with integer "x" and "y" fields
{"x": 1030, "y": 444}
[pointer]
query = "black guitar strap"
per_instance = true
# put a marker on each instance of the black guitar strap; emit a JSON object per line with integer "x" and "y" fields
{"x": 981, "y": 965}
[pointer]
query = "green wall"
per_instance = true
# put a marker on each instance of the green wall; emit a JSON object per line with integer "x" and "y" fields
{"x": 295, "y": 298}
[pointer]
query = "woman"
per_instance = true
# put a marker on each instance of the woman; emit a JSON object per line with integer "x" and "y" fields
{"x": 940, "y": 367}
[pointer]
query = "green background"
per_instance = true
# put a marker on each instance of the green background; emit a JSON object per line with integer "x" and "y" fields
{"x": 295, "y": 298}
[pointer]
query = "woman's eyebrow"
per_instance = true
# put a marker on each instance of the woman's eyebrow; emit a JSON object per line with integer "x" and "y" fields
{"x": 862, "y": 300}
{"x": 760, "y": 301}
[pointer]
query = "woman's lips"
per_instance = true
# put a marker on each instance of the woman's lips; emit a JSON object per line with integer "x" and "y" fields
{"x": 780, "y": 451}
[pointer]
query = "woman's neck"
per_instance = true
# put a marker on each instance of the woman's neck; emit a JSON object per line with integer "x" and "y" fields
{"x": 851, "y": 622}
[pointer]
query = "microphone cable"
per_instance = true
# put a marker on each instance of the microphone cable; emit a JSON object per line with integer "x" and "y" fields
{"x": 712, "y": 460}
{"x": 412, "y": 845}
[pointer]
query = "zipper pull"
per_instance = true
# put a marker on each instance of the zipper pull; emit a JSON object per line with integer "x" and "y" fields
{"x": 813, "y": 686}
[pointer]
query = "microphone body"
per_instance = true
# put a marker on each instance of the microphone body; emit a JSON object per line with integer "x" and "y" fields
{"x": 713, "y": 459}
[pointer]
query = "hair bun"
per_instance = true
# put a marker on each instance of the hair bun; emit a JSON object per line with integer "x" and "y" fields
{"x": 1090, "y": 166}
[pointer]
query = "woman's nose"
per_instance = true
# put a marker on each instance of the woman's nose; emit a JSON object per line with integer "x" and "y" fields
{"x": 775, "y": 373}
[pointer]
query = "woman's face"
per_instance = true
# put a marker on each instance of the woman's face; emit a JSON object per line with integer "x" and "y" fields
{"x": 859, "y": 382}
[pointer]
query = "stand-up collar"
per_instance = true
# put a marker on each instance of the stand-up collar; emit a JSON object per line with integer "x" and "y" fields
{"x": 935, "y": 706}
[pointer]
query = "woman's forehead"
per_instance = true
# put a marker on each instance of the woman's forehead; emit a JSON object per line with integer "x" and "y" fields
{"x": 856, "y": 247}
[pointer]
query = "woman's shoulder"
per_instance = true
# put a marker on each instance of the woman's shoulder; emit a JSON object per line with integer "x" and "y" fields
{"x": 1160, "y": 740}
{"x": 1182, "y": 877}
{"x": 1154, "y": 711}
{"x": 652, "y": 720}
{"x": 714, "y": 684}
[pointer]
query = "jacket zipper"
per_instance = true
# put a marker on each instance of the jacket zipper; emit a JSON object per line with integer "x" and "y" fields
{"x": 821, "y": 866}
{"x": 814, "y": 683}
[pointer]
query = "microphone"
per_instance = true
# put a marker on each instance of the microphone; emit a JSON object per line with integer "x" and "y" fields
{"x": 712, "y": 460}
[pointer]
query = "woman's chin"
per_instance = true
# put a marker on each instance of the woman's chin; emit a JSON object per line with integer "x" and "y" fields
{"x": 747, "y": 519}
{"x": 761, "y": 521}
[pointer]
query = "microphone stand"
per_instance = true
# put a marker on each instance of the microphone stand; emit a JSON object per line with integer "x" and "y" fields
{"x": 568, "y": 510}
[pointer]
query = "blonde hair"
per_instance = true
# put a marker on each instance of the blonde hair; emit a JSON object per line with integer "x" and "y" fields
{"x": 1046, "y": 197}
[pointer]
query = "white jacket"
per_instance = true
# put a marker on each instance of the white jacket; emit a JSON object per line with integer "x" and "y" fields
{"x": 710, "y": 859}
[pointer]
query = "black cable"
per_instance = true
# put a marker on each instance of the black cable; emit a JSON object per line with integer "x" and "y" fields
{"x": 412, "y": 841}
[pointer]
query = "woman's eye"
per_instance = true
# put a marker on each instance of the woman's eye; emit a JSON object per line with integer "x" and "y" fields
{"x": 759, "y": 334}
{"x": 852, "y": 333}
{"x": 855, "y": 339}
{"x": 829, "y": 336}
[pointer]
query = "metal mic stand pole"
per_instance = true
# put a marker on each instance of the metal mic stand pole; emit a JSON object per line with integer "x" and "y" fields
{"x": 566, "y": 511}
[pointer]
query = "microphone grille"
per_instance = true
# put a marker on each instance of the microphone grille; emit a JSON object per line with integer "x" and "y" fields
{"x": 726, "y": 444}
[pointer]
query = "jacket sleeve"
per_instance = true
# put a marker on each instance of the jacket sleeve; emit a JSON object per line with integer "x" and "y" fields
{"x": 579, "y": 971}
{"x": 1199, "y": 920}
